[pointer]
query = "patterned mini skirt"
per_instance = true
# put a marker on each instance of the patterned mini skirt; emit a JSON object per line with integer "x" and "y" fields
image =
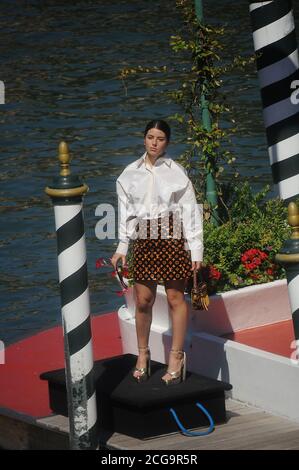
{"x": 158, "y": 250}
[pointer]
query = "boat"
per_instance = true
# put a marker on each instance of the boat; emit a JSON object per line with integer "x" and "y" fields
{"x": 241, "y": 347}
{"x": 245, "y": 339}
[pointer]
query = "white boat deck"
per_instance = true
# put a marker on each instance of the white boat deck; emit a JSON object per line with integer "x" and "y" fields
{"x": 247, "y": 428}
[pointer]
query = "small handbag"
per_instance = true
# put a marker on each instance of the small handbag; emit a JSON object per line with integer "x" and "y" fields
{"x": 199, "y": 294}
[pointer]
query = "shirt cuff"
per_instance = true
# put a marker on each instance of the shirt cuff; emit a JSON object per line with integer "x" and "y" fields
{"x": 197, "y": 254}
{"x": 122, "y": 248}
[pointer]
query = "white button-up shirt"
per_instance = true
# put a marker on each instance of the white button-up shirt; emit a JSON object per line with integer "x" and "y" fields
{"x": 148, "y": 192}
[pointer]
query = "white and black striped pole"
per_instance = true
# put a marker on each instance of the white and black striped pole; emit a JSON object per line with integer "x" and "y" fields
{"x": 278, "y": 72}
{"x": 67, "y": 192}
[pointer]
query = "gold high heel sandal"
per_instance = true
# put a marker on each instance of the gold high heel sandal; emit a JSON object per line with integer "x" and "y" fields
{"x": 144, "y": 372}
{"x": 179, "y": 375}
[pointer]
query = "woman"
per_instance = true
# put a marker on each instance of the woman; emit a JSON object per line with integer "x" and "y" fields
{"x": 158, "y": 211}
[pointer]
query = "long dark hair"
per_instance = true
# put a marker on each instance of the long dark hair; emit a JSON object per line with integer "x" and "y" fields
{"x": 158, "y": 124}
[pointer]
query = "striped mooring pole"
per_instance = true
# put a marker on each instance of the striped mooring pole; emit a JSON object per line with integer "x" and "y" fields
{"x": 278, "y": 72}
{"x": 277, "y": 61}
{"x": 66, "y": 192}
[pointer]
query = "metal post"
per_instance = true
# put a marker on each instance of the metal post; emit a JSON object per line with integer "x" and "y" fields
{"x": 288, "y": 257}
{"x": 211, "y": 190}
{"x": 277, "y": 63}
{"x": 199, "y": 10}
{"x": 66, "y": 193}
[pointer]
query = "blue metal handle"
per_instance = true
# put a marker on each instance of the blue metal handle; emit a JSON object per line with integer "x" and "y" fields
{"x": 190, "y": 433}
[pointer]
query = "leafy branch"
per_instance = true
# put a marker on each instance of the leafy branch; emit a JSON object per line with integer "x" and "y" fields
{"x": 201, "y": 45}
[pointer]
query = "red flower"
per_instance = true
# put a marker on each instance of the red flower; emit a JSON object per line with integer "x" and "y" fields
{"x": 253, "y": 258}
{"x": 101, "y": 262}
{"x": 214, "y": 273}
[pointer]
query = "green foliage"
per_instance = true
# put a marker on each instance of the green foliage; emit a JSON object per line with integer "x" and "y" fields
{"x": 203, "y": 105}
{"x": 253, "y": 228}
{"x": 199, "y": 95}
{"x": 254, "y": 223}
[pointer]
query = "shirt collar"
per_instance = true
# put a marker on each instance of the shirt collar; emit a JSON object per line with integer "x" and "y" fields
{"x": 163, "y": 159}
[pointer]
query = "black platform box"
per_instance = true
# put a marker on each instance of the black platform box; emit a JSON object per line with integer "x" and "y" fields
{"x": 142, "y": 410}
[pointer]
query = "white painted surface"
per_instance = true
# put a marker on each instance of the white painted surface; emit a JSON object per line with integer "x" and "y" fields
{"x": 262, "y": 379}
{"x": 77, "y": 311}
{"x": 274, "y": 31}
{"x": 281, "y": 69}
{"x": 258, "y": 377}
{"x": 64, "y": 214}
{"x": 284, "y": 149}
{"x": 81, "y": 362}
{"x": 235, "y": 310}
{"x": 72, "y": 259}
{"x": 253, "y": 6}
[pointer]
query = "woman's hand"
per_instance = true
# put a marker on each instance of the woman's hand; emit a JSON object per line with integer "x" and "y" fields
{"x": 115, "y": 259}
{"x": 196, "y": 265}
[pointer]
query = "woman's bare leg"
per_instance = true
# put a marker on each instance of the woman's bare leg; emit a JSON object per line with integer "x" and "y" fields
{"x": 145, "y": 294}
{"x": 179, "y": 318}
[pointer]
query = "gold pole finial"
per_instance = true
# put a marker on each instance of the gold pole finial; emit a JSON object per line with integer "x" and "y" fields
{"x": 64, "y": 158}
{"x": 67, "y": 185}
{"x": 293, "y": 219}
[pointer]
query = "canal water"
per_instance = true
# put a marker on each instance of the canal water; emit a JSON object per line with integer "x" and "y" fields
{"x": 60, "y": 63}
